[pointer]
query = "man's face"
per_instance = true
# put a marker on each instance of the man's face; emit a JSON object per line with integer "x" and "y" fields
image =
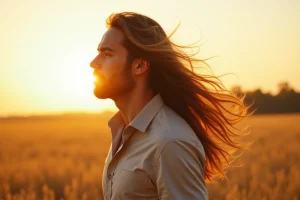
{"x": 111, "y": 69}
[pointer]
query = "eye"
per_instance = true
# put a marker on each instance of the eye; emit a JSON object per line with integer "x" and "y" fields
{"x": 106, "y": 54}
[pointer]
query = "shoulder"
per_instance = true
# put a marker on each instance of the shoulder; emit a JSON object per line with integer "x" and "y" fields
{"x": 170, "y": 130}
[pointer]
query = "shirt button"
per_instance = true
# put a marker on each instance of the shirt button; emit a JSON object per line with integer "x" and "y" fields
{"x": 110, "y": 176}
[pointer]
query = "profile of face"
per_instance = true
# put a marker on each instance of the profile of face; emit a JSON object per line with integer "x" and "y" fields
{"x": 111, "y": 69}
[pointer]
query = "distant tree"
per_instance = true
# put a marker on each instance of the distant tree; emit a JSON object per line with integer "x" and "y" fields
{"x": 257, "y": 92}
{"x": 237, "y": 90}
{"x": 286, "y": 101}
{"x": 284, "y": 88}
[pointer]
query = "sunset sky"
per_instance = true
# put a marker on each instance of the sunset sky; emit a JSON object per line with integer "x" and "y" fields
{"x": 46, "y": 46}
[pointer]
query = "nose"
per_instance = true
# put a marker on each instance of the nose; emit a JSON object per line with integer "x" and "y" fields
{"x": 95, "y": 63}
{"x": 92, "y": 64}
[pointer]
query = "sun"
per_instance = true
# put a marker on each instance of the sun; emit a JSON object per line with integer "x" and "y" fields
{"x": 78, "y": 79}
{"x": 75, "y": 83}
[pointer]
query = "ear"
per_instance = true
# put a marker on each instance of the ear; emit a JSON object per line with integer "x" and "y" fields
{"x": 140, "y": 66}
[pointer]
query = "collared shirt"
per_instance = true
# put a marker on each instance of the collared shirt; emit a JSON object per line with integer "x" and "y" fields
{"x": 157, "y": 156}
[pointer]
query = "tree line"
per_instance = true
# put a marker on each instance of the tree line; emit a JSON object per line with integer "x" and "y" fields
{"x": 286, "y": 101}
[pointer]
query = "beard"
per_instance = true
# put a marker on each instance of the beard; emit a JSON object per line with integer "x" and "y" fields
{"x": 115, "y": 86}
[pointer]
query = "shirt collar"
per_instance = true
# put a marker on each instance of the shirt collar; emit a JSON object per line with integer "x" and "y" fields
{"x": 144, "y": 118}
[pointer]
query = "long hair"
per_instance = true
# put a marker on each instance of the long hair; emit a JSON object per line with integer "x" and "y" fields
{"x": 211, "y": 112}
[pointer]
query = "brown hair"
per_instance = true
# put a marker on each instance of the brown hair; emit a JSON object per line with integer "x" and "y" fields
{"x": 185, "y": 91}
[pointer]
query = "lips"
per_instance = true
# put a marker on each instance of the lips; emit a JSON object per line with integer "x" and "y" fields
{"x": 95, "y": 74}
{"x": 98, "y": 78}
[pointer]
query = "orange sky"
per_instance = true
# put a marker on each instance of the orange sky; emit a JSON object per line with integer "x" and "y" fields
{"x": 46, "y": 46}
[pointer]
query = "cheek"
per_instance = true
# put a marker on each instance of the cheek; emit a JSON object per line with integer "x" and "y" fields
{"x": 112, "y": 68}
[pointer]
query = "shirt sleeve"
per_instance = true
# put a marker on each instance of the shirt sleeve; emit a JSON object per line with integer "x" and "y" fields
{"x": 180, "y": 172}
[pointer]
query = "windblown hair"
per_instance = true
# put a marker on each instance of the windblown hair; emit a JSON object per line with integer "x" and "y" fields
{"x": 211, "y": 113}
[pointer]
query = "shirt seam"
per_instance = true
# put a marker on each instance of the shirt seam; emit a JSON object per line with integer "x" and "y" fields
{"x": 164, "y": 146}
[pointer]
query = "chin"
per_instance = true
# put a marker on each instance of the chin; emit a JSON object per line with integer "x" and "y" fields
{"x": 101, "y": 93}
{"x": 107, "y": 92}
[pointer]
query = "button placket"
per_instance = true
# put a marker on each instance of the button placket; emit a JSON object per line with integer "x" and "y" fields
{"x": 110, "y": 173}
{"x": 127, "y": 133}
{"x": 110, "y": 176}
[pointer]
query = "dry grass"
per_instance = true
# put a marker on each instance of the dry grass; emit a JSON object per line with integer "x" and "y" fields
{"x": 62, "y": 158}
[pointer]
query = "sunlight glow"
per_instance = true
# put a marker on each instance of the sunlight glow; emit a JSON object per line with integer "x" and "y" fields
{"x": 46, "y": 49}
{"x": 78, "y": 80}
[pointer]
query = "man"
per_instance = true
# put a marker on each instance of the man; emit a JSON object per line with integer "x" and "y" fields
{"x": 157, "y": 149}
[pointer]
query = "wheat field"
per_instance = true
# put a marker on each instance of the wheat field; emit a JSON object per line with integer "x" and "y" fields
{"x": 61, "y": 157}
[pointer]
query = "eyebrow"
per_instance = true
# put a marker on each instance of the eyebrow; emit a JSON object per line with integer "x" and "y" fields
{"x": 105, "y": 49}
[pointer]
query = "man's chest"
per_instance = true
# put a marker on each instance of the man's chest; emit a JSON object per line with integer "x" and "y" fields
{"x": 131, "y": 171}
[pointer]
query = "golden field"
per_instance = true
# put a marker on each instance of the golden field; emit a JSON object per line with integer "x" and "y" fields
{"x": 61, "y": 157}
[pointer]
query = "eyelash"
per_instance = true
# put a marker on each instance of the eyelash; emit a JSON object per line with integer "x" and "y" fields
{"x": 106, "y": 54}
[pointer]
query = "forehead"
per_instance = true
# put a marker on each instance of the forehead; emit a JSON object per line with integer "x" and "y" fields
{"x": 112, "y": 38}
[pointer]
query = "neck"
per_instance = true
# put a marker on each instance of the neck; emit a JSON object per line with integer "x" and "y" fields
{"x": 130, "y": 104}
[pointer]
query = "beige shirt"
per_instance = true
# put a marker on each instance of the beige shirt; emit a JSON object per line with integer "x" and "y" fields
{"x": 157, "y": 156}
